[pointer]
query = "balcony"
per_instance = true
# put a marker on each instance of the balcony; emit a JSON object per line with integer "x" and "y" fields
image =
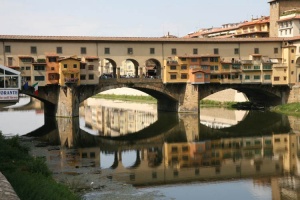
{"x": 247, "y": 62}
{"x": 71, "y": 80}
{"x": 172, "y": 62}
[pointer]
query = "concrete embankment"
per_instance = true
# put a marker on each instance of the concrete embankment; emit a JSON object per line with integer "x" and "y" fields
{"x": 6, "y": 190}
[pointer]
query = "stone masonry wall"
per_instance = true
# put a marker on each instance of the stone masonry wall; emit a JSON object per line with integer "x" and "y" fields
{"x": 294, "y": 95}
{"x": 189, "y": 102}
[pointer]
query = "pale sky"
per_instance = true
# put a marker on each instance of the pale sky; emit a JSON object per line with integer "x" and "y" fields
{"x": 123, "y": 18}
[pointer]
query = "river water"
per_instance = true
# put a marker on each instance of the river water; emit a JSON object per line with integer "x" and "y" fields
{"x": 122, "y": 150}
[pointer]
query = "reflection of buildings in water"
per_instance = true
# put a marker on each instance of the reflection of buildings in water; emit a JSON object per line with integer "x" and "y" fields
{"x": 189, "y": 161}
{"x": 69, "y": 160}
{"x": 115, "y": 119}
{"x": 213, "y": 118}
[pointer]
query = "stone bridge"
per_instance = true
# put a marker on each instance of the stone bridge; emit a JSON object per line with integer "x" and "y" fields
{"x": 63, "y": 101}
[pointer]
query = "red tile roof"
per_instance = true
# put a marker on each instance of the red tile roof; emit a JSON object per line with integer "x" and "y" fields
{"x": 139, "y": 39}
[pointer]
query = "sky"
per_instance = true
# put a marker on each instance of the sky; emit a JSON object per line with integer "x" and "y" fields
{"x": 123, "y": 18}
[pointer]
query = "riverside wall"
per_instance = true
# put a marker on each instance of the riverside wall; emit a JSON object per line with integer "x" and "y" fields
{"x": 6, "y": 190}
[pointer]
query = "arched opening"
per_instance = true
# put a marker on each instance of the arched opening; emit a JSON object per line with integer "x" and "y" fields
{"x": 109, "y": 68}
{"x": 130, "y": 66}
{"x": 127, "y": 69}
{"x": 153, "y": 69}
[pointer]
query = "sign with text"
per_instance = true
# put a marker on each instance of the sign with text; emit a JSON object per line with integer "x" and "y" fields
{"x": 9, "y": 95}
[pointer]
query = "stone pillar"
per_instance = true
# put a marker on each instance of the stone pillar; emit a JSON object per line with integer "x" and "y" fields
{"x": 67, "y": 102}
{"x": 67, "y": 129}
{"x": 191, "y": 122}
{"x": 118, "y": 72}
{"x": 189, "y": 101}
{"x": 141, "y": 72}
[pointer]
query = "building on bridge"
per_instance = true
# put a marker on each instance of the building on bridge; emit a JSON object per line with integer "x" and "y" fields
{"x": 175, "y": 60}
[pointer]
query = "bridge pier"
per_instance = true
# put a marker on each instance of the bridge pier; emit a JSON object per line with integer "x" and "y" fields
{"x": 189, "y": 99}
{"x": 67, "y": 102}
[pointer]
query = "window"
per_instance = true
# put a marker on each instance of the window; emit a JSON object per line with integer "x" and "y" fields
{"x": 173, "y": 51}
{"x": 39, "y": 78}
{"x": 39, "y": 67}
{"x": 152, "y": 50}
{"x": 183, "y": 59}
{"x": 183, "y": 67}
{"x": 236, "y": 50}
{"x": 106, "y": 50}
{"x": 195, "y": 51}
{"x": 82, "y": 65}
{"x": 74, "y": 65}
{"x": 174, "y": 149}
{"x": 183, "y": 76}
{"x": 59, "y": 50}
{"x": 185, "y": 149}
{"x": 173, "y": 76}
{"x": 257, "y": 67}
{"x": 83, "y": 50}
{"x": 9, "y": 61}
{"x": 198, "y": 75}
{"x": 52, "y": 68}
{"x": 52, "y": 59}
{"x": 247, "y": 77}
{"x": 26, "y": 60}
{"x": 292, "y": 50}
{"x": 154, "y": 175}
{"x": 91, "y": 76}
{"x": 65, "y": 66}
{"x": 185, "y": 158}
{"x": 214, "y": 59}
{"x": 267, "y": 77}
{"x": 173, "y": 67}
{"x": 130, "y": 50}
{"x": 28, "y": 67}
{"x": 91, "y": 67}
{"x": 7, "y": 49}
{"x": 256, "y": 50}
{"x": 276, "y": 78}
{"x": 276, "y": 50}
{"x": 33, "y": 50}
{"x": 82, "y": 77}
{"x": 256, "y": 77}
{"x": 216, "y": 51}
{"x": 225, "y": 66}
{"x": 194, "y": 60}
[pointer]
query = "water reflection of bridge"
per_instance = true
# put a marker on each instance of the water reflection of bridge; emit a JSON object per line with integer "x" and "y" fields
{"x": 218, "y": 118}
{"x": 172, "y": 150}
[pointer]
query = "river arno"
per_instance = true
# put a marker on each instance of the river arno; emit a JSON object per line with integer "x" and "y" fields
{"x": 118, "y": 150}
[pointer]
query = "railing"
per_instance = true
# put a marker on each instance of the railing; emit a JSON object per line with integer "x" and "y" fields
{"x": 246, "y": 61}
{"x": 71, "y": 80}
{"x": 172, "y": 62}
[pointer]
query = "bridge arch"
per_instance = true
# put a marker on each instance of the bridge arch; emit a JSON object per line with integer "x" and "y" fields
{"x": 166, "y": 100}
{"x": 267, "y": 95}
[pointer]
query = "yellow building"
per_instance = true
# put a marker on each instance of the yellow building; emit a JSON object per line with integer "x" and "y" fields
{"x": 52, "y": 69}
{"x": 69, "y": 70}
{"x": 284, "y": 71}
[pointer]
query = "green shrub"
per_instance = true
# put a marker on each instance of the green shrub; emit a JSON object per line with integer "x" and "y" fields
{"x": 30, "y": 177}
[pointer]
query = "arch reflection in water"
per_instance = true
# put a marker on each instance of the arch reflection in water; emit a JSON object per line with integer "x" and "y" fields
{"x": 115, "y": 118}
{"x": 219, "y": 118}
{"x": 181, "y": 152}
